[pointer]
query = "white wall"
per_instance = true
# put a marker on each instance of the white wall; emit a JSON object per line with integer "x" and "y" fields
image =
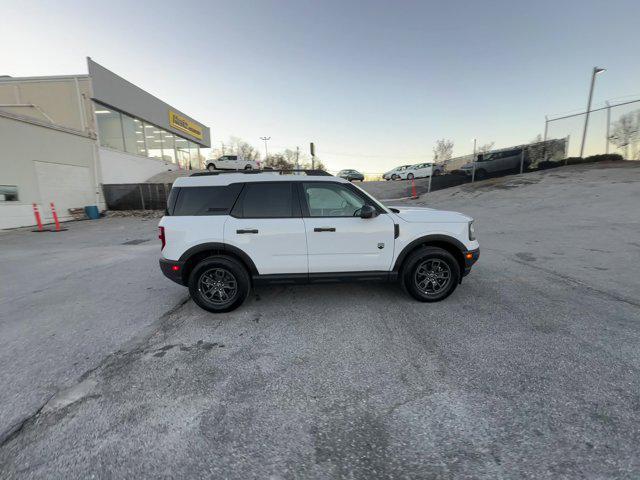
{"x": 120, "y": 167}
{"x": 47, "y": 165}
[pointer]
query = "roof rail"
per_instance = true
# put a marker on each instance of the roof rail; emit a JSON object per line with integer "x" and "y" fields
{"x": 317, "y": 173}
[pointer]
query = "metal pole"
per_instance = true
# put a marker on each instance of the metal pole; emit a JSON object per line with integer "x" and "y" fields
{"x": 544, "y": 145}
{"x": 608, "y": 126}
{"x": 141, "y": 196}
{"x": 430, "y": 177}
{"x": 473, "y": 172}
{"x": 596, "y": 70}
{"x": 522, "y": 159}
{"x": 266, "y": 152}
{"x": 566, "y": 149}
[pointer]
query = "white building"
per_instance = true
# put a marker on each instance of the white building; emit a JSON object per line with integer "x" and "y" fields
{"x": 62, "y": 137}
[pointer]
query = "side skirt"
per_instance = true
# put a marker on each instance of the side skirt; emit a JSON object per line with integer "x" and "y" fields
{"x": 331, "y": 277}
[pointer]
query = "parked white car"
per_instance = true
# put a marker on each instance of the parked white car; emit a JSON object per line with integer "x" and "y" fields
{"x": 232, "y": 162}
{"x": 419, "y": 170}
{"x": 396, "y": 173}
{"x": 222, "y": 234}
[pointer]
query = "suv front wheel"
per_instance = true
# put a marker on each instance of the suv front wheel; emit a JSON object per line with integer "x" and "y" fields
{"x": 219, "y": 284}
{"x": 430, "y": 274}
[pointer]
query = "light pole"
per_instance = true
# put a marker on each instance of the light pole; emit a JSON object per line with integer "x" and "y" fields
{"x": 266, "y": 152}
{"x": 473, "y": 172}
{"x": 596, "y": 71}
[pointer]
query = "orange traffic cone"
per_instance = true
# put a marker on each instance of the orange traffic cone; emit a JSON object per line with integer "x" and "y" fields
{"x": 414, "y": 194}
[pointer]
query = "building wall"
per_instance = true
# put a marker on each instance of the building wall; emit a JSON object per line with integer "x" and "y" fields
{"x": 121, "y": 167}
{"x": 63, "y": 101}
{"x": 116, "y": 92}
{"x": 47, "y": 165}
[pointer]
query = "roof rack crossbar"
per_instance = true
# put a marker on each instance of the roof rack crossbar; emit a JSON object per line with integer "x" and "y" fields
{"x": 318, "y": 173}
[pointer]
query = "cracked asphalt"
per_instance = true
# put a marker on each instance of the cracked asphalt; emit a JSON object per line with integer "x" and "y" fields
{"x": 531, "y": 369}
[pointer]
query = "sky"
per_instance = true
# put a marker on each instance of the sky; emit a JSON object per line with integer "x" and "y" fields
{"x": 373, "y": 83}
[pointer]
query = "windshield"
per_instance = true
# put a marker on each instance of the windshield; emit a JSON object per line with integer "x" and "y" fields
{"x": 372, "y": 198}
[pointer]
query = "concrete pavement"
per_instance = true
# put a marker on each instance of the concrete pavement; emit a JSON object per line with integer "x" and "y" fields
{"x": 531, "y": 369}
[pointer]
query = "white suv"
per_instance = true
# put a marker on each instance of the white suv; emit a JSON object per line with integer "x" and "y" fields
{"x": 223, "y": 233}
{"x": 232, "y": 162}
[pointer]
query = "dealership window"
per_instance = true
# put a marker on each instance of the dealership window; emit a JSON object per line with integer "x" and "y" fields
{"x": 8, "y": 193}
{"x": 133, "y": 135}
{"x": 153, "y": 138}
{"x": 109, "y": 128}
{"x": 195, "y": 163}
{"x": 123, "y": 132}
{"x": 168, "y": 147}
{"x": 182, "y": 152}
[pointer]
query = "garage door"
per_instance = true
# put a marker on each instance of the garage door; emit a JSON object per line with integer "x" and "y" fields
{"x": 68, "y": 186}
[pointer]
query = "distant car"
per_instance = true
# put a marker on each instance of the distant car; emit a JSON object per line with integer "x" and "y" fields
{"x": 419, "y": 170}
{"x": 232, "y": 162}
{"x": 495, "y": 162}
{"x": 351, "y": 175}
{"x": 396, "y": 173}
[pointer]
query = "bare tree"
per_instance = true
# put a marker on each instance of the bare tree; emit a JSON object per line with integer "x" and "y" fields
{"x": 626, "y": 131}
{"x": 485, "y": 148}
{"x": 443, "y": 150}
{"x": 236, "y": 146}
{"x": 277, "y": 161}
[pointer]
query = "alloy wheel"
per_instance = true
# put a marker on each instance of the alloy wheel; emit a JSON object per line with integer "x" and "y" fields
{"x": 432, "y": 276}
{"x": 218, "y": 286}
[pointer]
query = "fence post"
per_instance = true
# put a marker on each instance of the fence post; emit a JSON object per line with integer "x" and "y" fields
{"x": 141, "y": 196}
{"x": 566, "y": 149}
{"x": 544, "y": 145}
{"x": 608, "y": 126}
{"x": 522, "y": 159}
{"x": 430, "y": 177}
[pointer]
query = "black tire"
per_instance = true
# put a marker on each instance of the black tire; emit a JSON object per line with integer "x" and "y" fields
{"x": 233, "y": 271}
{"x": 211, "y": 167}
{"x": 410, "y": 176}
{"x": 430, "y": 258}
{"x": 248, "y": 167}
{"x": 481, "y": 174}
{"x": 394, "y": 177}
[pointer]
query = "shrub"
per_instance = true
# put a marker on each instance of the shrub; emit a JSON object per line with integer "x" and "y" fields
{"x": 549, "y": 164}
{"x": 608, "y": 157}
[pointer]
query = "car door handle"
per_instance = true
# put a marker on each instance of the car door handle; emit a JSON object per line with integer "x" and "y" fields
{"x": 324, "y": 229}
{"x": 247, "y": 230}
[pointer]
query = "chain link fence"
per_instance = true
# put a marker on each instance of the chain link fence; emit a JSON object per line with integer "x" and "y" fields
{"x": 614, "y": 128}
{"x": 136, "y": 196}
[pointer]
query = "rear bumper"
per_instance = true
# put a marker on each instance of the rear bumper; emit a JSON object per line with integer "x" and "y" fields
{"x": 172, "y": 270}
{"x": 470, "y": 258}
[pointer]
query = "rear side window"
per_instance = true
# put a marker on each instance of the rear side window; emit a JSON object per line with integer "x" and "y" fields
{"x": 267, "y": 200}
{"x": 205, "y": 200}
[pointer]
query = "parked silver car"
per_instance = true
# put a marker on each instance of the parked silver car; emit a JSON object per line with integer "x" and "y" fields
{"x": 497, "y": 161}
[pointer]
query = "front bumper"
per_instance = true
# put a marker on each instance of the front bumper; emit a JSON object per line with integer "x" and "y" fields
{"x": 470, "y": 258}
{"x": 172, "y": 270}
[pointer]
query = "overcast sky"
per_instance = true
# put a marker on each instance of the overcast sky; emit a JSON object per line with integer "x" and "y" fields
{"x": 374, "y": 84}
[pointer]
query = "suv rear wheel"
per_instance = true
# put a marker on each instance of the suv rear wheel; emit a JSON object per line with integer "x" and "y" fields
{"x": 430, "y": 274}
{"x": 211, "y": 167}
{"x": 219, "y": 284}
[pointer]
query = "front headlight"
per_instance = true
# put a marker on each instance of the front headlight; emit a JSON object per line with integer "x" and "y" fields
{"x": 472, "y": 231}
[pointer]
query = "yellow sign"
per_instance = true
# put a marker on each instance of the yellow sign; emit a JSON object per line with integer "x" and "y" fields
{"x": 185, "y": 125}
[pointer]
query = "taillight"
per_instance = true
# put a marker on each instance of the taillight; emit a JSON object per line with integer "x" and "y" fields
{"x": 161, "y": 237}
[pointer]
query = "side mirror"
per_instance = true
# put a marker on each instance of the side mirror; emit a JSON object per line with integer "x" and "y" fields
{"x": 367, "y": 211}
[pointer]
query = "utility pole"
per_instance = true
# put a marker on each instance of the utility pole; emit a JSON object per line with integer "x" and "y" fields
{"x": 312, "y": 149}
{"x": 596, "y": 71}
{"x": 266, "y": 152}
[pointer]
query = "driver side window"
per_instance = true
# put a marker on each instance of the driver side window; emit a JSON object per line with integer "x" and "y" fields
{"x": 331, "y": 200}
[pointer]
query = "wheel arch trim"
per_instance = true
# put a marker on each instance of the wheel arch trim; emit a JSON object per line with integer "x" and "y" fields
{"x": 225, "y": 248}
{"x": 429, "y": 240}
